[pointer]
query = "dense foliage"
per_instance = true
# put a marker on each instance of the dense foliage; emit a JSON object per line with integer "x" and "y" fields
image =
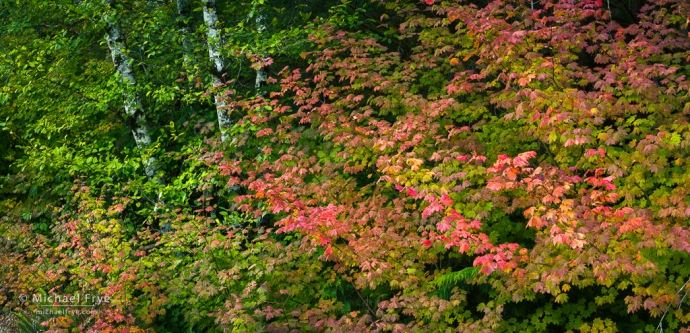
{"x": 389, "y": 166}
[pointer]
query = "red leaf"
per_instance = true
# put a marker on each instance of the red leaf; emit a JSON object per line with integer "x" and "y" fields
{"x": 511, "y": 173}
{"x": 433, "y": 207}
{"x": 649, "y": 304}
{"x": 443, "y": 226}
{"x": 324, "y": 240}
{"x": 446, "y": 200}
{"x": 429, "y": 2}
{"x": 529, "y": 211}
{"x": 561, "y": 239}
{"x": 535, "y": 222}
{"x": 577, "y": 243}
{"x": 329, "y": 250}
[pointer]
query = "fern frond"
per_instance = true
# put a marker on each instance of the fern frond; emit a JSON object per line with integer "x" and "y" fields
{"x": 452, "y": 278}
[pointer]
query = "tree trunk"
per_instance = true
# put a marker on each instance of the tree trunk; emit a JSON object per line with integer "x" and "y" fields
{"x": 183, "y": 13}
{"x": 261, "y": 75}
{"x": 214, "y": 43}
{"x": 132, "y": 100}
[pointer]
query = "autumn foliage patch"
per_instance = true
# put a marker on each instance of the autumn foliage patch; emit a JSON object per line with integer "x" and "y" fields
{"x": 446, "y": 166}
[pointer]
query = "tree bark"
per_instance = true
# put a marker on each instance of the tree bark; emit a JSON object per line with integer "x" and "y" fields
{"x": 183, "y": 13}
{"x": 261, "y": 75}
{"x": 214, "y": 43}
{"x": 132, "y": 100}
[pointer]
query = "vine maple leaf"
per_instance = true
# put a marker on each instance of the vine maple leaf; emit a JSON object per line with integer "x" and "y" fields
{"x": 446, "y": 200}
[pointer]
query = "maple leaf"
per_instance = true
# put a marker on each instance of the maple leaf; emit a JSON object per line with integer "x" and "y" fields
{"x": 577, "y": 243}
{"x": 511, "y": 173}
{"x": 324, "y": 240}
{"x": 443, "y": 226}
{"x": 590, "y": 152}
{"x": 433, "y": 207}
{"x": 446, "y": 200}
{"x": 429, "y": 2}
{"x": 535, "y": 222}
{"x": 561, "y": 239}
{"x": 494, "y": 186}
{"x": 649, "y": 304}
{"x": 529, "y": 211}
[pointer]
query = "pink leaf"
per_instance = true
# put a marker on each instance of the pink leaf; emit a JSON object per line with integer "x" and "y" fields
{"x": 433, "y": 207}
{"x": 494, "y": 186}
{"x": 561, "y": 239}
{"x": 446, "y": 200}
{"x": 649, "y": 304}
{"x": 443, "y": 226}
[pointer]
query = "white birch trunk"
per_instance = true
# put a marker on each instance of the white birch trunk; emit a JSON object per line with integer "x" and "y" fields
{"x": 183, "y": 13}
{"x": 132, "y": 100}
{"x": 261, "y": 75}
{"x": 214, "y": 44}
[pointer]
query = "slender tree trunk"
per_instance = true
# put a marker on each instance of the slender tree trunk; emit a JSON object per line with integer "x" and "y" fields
{"x": 214, "y": 43}
{"x": 183, "y": 13}
{"x": 261, "y": 75}
{"x": 133, "y": 106}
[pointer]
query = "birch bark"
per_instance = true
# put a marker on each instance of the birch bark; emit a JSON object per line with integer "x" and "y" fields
{"x": 261, "y": 75}
{"x": 183, "y": 13}
{"x": 132, "y": 101}
{"x": 214, "y": 43}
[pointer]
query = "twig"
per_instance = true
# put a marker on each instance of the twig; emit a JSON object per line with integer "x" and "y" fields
{"x": 660, "y": 327}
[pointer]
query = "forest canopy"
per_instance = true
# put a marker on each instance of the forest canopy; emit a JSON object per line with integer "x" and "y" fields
{"x": 344, "y": 166}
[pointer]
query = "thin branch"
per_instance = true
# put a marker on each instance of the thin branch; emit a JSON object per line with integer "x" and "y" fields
{"x": 660, "y": 327}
